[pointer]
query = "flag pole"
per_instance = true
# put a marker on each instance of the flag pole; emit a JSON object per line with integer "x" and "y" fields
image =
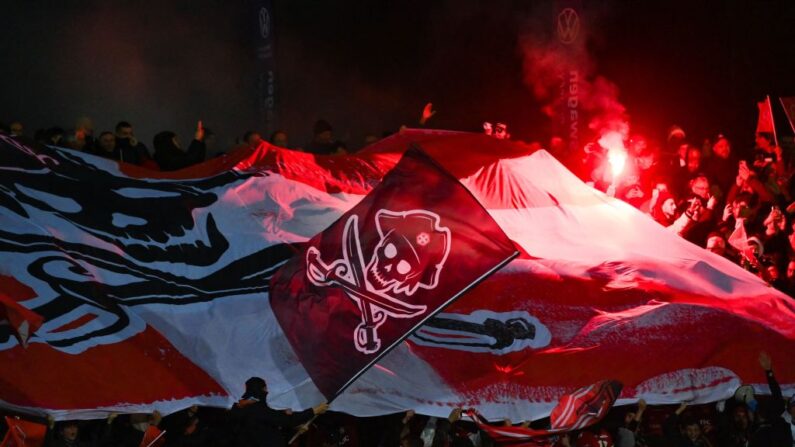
{"x": 162, "y": 433}
{"x": 386, "y": 351}
{"x": 786, "y": 112}
{"x": 772, "y": 120}
{"x": 302, "y": 429}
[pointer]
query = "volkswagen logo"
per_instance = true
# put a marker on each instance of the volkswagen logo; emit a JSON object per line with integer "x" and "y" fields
{"x": 264, "y": 23}
{"x": 568, "y": 26}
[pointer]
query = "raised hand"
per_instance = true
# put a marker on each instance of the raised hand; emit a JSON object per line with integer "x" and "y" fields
{"x": 695, "y": 209}
{"x": 427, "y": 113}
{"x": 199, "y": 135}
{"x": 320, "y": 409}
{"x": 744, "y": 172}
{"x": 681, "y": 408}
{"x": 727, "y": 211}
{"x": 765, "y": 362}
{"x": 455, "y": 414}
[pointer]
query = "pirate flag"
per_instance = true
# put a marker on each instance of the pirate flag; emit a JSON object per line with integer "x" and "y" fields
{"x": 414, "y": 244}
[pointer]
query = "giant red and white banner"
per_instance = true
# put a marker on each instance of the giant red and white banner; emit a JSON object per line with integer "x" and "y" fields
{"x": 153, "y": 288}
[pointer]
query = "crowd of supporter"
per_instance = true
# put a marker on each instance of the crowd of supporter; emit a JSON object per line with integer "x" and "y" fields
{"x": 167, "y": 152}
{"x": 735, "y": 203}
{"x": 739, "y": 204}
{"x": 743, "y": 421}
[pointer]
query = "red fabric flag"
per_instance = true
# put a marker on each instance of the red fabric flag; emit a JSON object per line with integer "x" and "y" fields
{"x": 788, "y": 104}
{"x": 513, "y": 435}
{"x": 24, "y": 322}
{"x": 765, "y": 122}
{"x": 23, "y": 433}
{"x": 582, "y": 408}
{"x": 153, "y": 437}
{"x": 415, "y": 243}
{"x": 739, "y": 240}
{"x": 599, "y": 284}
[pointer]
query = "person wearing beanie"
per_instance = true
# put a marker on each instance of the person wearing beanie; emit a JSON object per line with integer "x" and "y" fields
{"x": 169, "y": 154}
{"x": 261, "y": 426}
{"x": 323, "y": 142}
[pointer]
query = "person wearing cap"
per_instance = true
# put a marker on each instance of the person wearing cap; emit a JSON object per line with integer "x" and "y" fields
{"x": 258, "y": 425}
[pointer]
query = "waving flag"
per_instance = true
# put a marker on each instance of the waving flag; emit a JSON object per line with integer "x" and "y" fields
{"x": 154, "y": 288}
{"x": 765, "y": 123}
{"x": 584, "y": 407}
{"x": 575, "y": 411}
{"x": 153, "y": 437}
{"x": 417, "y": 242}
{"x": 22, "y": 433}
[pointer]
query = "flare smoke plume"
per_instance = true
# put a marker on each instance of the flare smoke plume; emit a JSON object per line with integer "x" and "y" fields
{"x": 561, "y": 73}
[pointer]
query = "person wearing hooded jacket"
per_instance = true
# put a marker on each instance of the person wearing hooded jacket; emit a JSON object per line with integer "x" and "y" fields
{"x": 663, "y": 207}
{"x": 169, "y": 154}
{"x": 67, "y": 435}
{"x": 258, "y": 425}
{"x": 771, "y": 429}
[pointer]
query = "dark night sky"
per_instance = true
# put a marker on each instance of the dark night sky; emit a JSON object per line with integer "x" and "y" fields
{"x": 370, "y": 66}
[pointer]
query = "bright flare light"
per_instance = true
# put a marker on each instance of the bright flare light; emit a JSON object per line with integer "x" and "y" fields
{"x": 616, "y": 152}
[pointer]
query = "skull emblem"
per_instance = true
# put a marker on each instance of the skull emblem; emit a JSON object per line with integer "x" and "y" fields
{"x": 410, "y": 253}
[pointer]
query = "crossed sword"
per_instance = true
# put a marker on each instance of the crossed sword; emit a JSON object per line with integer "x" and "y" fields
{"x": 348, "y": 274}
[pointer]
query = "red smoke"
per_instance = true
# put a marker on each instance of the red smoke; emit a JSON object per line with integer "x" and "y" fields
{"x": 550, "y": 65}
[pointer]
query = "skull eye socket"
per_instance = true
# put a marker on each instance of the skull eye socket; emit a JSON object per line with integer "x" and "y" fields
{"x": 390, "y": 251}
{"x": 403, "y": 267}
